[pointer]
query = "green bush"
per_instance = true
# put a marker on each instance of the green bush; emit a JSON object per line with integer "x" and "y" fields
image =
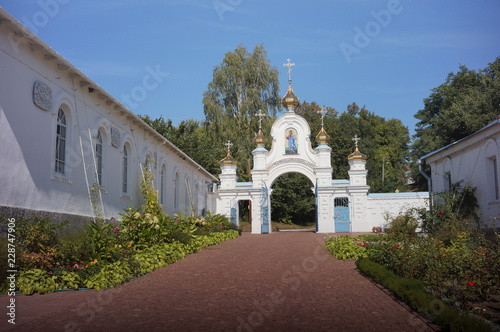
{"x": 103, "y": 274}
{"x": 413, "y": 292}
{"x": 403, "y": 225}
{"x": 346, "y": 247}
{"x": 454, "y": 211}
{"x": 465, "y": 270}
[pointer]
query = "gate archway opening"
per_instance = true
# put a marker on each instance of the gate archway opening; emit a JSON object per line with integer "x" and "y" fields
{"x": 293, "y": 202}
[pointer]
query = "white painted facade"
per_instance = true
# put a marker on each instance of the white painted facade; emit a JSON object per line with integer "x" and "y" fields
{"x": 37, "y": 86}
{"x": 473, "y": 160}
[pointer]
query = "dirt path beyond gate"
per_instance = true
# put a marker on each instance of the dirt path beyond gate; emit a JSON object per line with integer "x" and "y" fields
{"x": 284, "y": 281}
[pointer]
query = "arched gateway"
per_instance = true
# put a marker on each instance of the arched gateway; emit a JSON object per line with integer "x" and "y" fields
{"x": 342, "y": 205}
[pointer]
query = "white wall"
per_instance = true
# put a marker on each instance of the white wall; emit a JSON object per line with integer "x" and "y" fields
{"x": 471, "y": 161}
{"x": 28, "y": 134}
{"x": 381, "y": 207}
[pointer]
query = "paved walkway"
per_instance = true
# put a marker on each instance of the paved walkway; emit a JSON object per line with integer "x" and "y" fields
{"x": 284, "y": 281}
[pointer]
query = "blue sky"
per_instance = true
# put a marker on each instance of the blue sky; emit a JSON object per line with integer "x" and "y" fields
{"x": 386, "y": 55}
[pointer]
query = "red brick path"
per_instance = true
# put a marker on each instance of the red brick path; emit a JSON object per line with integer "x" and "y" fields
{"x": 284, "y": 281}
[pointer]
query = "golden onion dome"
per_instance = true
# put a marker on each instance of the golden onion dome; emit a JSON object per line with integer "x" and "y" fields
{"x": 229, "y": 160}
{"x": 290, "y": 99}
{"x": 322, "y": 137}
{"x": 357, "y": 155}
{"x": 259, "y": 139}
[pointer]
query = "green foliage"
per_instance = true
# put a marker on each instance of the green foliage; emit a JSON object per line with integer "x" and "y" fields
{"x": 68, "y": 280}
{"x": 73, "y": 245}
{"x": 383, "y": 141}
{"x": 110, "y": 275}
{"x": 36, "y": 241}
{"x": 100, "y": 238}
{"x": 101, "y": 274}
{"x": 138, "y": 229}
{"x": 405, "y": 224}
{"x": 465, "y": 270}
{"x": 453, "y": 212}
{"x": 413, "y": 292}
{"x": 292, "y": 200}
{"x": 242, "y": 84}
{"x": 35, "y": 281}
{"x": 114, "y": 252}
{"x": 346, "y": 247}
{"x": 151, "y": 204}
{"x": 467, "y": 101}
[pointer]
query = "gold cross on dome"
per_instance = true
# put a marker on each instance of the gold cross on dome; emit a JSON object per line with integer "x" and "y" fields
{"x": 260, "y": 115}
{"x": 229, "y": 145}
{"x": 322, "y": 112}
{"x": 356, "y": 139}
{"x": 289, "y": 64}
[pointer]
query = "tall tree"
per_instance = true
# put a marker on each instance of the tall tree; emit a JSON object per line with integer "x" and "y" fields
{"x": 242, "y": 84}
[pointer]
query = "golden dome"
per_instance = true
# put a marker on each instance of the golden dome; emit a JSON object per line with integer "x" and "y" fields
{"x": 357, "y": 155}
{"x": 259, "y": 139}
{"x": 290, "y": 99}
{"x": 322, "y": 137}
{"x": 229, "y": 160}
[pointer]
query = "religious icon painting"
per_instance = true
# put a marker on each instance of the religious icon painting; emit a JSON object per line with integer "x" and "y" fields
{"x": 291, "y": 141}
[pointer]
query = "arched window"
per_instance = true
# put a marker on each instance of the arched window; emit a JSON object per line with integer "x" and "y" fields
{"x": 176, "y": 191}
{"x": 162, "y": 184}
{"x": 187, "y": 198}
{"x": 147, "y": 163}
{"x": 98, "y": 156}
{"x": 196, "y": 195}
{"x": 125, "y": 170}
{"x": 60, "y": 159}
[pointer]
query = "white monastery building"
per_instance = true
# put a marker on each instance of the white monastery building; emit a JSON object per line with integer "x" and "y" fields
{"x": 473, "y": 161}
{"x": 61, "y": 136}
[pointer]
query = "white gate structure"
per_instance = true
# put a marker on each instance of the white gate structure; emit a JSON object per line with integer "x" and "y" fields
{"x": 292, "y": 152}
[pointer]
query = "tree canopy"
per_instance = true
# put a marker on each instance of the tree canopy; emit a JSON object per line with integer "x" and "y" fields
{"x": 467, "y": 101}
{"x": 242, "y": 84}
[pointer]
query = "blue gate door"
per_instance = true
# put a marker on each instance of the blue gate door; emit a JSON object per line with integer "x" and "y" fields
{"x": 264, "y": 210}
{"x": 341, "y": 215}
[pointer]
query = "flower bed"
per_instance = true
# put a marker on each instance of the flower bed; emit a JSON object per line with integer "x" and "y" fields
{"x": 462, "y": 273}
{"x": 112, "y": 274}
{"x": 106, "y": 254}
{"x": 413, "y": 292}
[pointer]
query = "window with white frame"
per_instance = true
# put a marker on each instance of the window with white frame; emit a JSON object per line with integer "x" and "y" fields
{"x": 176, "y": 191}
{"x": 162, "y": 184}
{"x": 196, "y": 194}
{"x": 98, "y": 156}
{"x": 187, "y": 199}
{"x": 60, "y": 157}
{"x": 447, "y": 181}
{"x": 494, "y": 177}
{"x": 125, "y": 169}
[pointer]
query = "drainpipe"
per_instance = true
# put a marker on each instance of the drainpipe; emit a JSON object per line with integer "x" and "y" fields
{"x": 429, "y": 181}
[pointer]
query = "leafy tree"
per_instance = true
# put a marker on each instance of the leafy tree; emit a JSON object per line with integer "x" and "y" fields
{"x": 190, "y": 137}
{"x": 242, "y": 84}
{"x": 467, "y": 101}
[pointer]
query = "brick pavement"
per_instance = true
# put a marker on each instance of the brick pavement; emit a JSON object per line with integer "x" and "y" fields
{"x": 284, "y": 281}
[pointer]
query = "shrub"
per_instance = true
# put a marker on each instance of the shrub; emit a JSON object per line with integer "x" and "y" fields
{"x": 453, "y": 211}
{"x": 36, "y": 241}
{"x": 413, "y": 292}
{"x": 466, "y": 270}
{"x": 346, "y": 247}
{"x": 403, "y": 225}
